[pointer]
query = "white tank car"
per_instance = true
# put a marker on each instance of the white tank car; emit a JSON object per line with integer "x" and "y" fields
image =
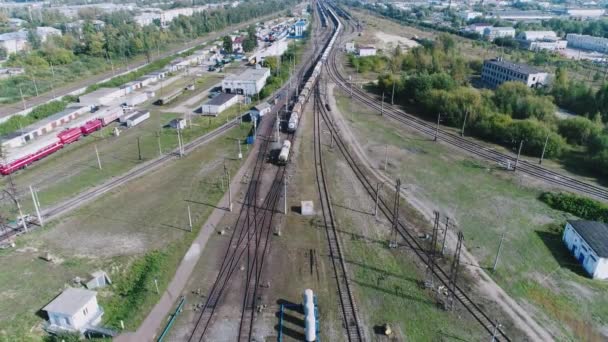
{"x": 308, "y": 301}
{"x": 294, "y": 120}
{"x": 284, "y": 154}
{"x": 310, "y": 328}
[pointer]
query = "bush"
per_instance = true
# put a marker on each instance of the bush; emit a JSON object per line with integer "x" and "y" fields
{"x": 578, "y": 130}
{"x": 368, "y": 63}
{"x": 583, "y": 207}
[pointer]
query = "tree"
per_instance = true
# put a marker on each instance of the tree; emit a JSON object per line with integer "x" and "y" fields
{"x": 3, "y": 53}
{"x": 94, "y": 44}
{"x": 248, "y": 45}
{"x": 34, "y": 39}
{"x": 578, "y": 130}
{"x": 272, "y": 63}
{"x": 227, "y": 44}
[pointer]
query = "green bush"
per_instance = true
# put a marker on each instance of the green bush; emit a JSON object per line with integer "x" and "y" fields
{"x": 583, "y": 207}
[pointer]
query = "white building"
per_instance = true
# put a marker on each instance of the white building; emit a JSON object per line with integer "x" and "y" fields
{"x": 74, "y": 310}
{"x": 102, "y": 96}
{"x": 367, "y": 51}
{"x": 536, "y": 35}
{"x": 249, "y": 82}
{"x": 585, "y": 13}
{"x": 492, "y": 33}
{"x": 262, "y": 109}
{"x": 585, "y": 42}
{"x": 588, "y": 243}
{"x": 350, "y": 47}
{"x": 468, "y": 15}
{"x": 147, "y": 18}
{"x": 547, "y": 44}
{"x": 14, "y": 42}
{"x": 478, "y": 28}
{"x": 497, "y": 71}
{"x": 218, "y": 104}
{"x": 45, "y": 32}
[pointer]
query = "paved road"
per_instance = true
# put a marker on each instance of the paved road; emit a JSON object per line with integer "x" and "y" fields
{"x": 11, "y": 109}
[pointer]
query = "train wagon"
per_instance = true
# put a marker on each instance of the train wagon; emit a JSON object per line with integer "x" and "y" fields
{"x": 294, "y": 120}
{"x": 21, "y": 163}
{"x": 70, "y": 135}
{"x": 91, "y": 126}
{"x": 284, "y": 154}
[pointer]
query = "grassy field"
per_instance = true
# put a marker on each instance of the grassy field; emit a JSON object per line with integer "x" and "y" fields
{"x": 113, "y": 233}
{"x": 485, "y": 202}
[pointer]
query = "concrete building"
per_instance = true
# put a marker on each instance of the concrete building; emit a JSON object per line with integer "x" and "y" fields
{"x": 588, "y": 243}
{"x": 546, "y": 44}
{"x": 147, "y": 18}
{"x": 218, "y": 104}
{"x": 585, "y": 42}
{"x": 521, "y": 15}
{"x": 45, "y": 32}
{"x": 468, "y": 15}
{"x": 367, "y": 51}
{"x": 491, "y": 33}
{"x": 14, "y": 42}
{"x": 248, "y": 83}
{"x": 74, "y": 310}
{"x": 262, "y": 109}
{"x": 536, "y": 35}
{"x": 350, "y": 47}
{"x": 16, "y": 22}
{"x": 478, "y": 28}
{"x": 497, "y": 71}
{"x": 299, "y": 28}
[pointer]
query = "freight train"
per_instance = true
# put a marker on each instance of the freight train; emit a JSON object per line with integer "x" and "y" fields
{"x": 65, "y": 137}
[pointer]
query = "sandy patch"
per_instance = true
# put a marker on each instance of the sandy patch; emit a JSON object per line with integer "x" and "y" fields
{"x": 392, "y": 40}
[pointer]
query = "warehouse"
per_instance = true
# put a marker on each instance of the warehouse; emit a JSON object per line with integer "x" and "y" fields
{"x": 218, "y": 104}
{"x": 497, "y": 71}
{"x": 101, "y": 96}
{"x": 367, "y": 51}
{"x": 586, "y": 42}
{"x": 248, "y": 83}
{"x": 491, "y": 33}
{"x": 588, "y": 243}
{"x": 137, "y": 118}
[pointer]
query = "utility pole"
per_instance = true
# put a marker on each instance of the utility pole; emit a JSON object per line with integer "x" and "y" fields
{"x": 179, "y": 142}
{"x": 502, "y": 237}
{"x": 386, "y": 158}
{"x": 229, "y": 189}
{"x": 139, "y": 149}
{"x": 495, "y": 332}
{"x": 35, "y": 86}
{"x": 393, "y": 94}
{"x": 36, "y": 207}
{"x": 238, "y": 142}
{"x": 521, "y": 143}
{"x": 437, "y": 127}
{"x": 351, "y": 89}
{"x": 160, "y": 149}
{"x": 445, "y": 232}
{"x": 393, "y": 242}
{"x": 98, "y": 159}
{"x": 542, "y": 155}
{"x": 382, "y": 105}
{"x": 189, "y": 219}
{"x": 52, "y": 83}
{"x": 454, "y": 273}
{"x": 464, "y": 122}
{"x": 430, "y": 275}
{"x": 377, "y": 198}
{"x": 22, "y": 98}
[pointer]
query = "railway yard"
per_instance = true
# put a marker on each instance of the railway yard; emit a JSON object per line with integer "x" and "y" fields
{"x": 213, "y": 232}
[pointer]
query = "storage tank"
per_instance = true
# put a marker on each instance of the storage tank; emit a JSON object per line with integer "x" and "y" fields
{"x": 284, "y": 154}
{"x": 308, "y": 302}
{"x": 310, "y": 328}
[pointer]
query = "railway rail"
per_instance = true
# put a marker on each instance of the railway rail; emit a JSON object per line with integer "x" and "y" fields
{"x": 467, "y": 145}
{"x": 407, "y": 235}
{"x": 347, "y": 301}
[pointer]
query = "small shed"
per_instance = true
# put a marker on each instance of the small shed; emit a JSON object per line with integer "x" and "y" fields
{"x": 218, "y": 104}
{"x": 262, "y": 109}
{"x": 178, "y": 123}
{"x": 307, "y": 208}
{"x": 367, "y": 51}
{"x": 98, "y": 279}
{"x": 138, "y": 118}
{"x": 588, "y": 243}
{"x": 73, "y": 310}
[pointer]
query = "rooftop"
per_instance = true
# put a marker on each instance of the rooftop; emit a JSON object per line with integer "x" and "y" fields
{"x": 526, "y": 69}
{"x": 594, "y": 233}
{"x": 249, "y": 75}
{"x": 220, "y": 99}
{"x": 262, "y": 106}
{"x": 52, "y": 118}
{"x": 70, "y": 301}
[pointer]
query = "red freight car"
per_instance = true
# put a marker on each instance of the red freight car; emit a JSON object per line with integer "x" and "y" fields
{"x": 27, "y": 160}
{"x": 70, "y": 135}
{"x": 91, "y": 126}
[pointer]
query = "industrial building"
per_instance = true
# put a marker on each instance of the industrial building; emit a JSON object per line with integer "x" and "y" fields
{"x": 74, "y": 310}
{"x": 137, "y": 117}
{"x": 585, "y": 42}
{"x": 536, "y": 35}
{"x": 497, "y": 71}
{"x": 367, "y": 51}
{"x": 101, "y": 96}
{"x": 491, "y": 33}
{"x": 14, "y": 42}
{"x": 218, "y": 104}
{"x": 262, "y": 109}
{"x": 248, "y": 83}
{"x": 588, "y": 243}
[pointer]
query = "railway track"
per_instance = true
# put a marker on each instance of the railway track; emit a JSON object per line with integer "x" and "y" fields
{"x": 406, "y": 233}
{"x": 347, "y": 302}
{"x": 467, "y": 145}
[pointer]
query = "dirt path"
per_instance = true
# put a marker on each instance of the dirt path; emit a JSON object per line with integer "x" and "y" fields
{"x": 486, "y": 285}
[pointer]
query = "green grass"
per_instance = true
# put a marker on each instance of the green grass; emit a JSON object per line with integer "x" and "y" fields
{"x": 486, "y": 201}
